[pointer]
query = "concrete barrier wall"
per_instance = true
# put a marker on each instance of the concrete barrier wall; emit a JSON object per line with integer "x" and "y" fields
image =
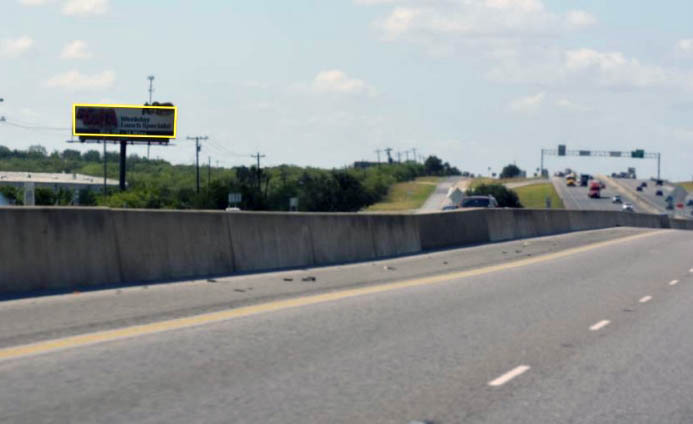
{"x": 169, "y": 245}
{"x": 45, "y": 248}
{"x": 270, "y": 240}
{"x": 62, "y": 248}
{"x": 450, "y": 229}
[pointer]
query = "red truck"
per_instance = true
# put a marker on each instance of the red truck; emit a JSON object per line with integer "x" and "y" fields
{"x": 595, "y": 188}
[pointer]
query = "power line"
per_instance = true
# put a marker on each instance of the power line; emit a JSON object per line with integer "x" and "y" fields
{"x": 32, "y": 126}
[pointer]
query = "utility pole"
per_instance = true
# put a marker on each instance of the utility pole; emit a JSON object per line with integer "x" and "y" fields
{"x": 399, "y": 157}
{"x": 377, "y": 151}
{"x": 406, "y": 152}
{"x": 197, "y": 157}
{"x": 388, "y": 150}
{"x": 209, "y": 170}
{"x": 258, "y": 156}
{"x": 151, "y": 90}
{"x": 414, "y": 151}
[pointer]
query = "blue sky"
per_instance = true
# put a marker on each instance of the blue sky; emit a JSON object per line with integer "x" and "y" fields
{"x": 480, "y": 83}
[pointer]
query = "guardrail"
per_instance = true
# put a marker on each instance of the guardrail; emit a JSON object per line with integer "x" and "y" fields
{"x": 65, "y": 248}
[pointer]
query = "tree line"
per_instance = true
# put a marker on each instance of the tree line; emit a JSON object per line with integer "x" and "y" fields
{"x": 157, "y": 184}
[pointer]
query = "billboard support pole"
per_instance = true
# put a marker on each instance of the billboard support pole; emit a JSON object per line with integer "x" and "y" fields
{"x": 104, "y": 169}
{"x": 123, "y": 152}
{"x": 659, "y": 157}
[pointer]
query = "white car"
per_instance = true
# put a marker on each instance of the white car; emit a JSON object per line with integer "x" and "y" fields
{"x": 627, "y": 207}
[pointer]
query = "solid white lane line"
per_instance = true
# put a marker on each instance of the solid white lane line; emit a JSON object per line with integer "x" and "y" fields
{"x": 600, "y": 325}
{"x": 517, "y": 371}
{"x": 673, "y": 282}
{"x": 645, "y": 299}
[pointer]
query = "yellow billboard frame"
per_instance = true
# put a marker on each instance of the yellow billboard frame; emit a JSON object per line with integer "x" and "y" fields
{"x": 74, "y": 120}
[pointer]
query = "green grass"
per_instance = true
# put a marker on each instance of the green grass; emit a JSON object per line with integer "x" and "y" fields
{"x": 688, "y": 185}
{"x": 533, "y": 196}
{"x": 486, "y": 180}
{"x": 406, "y": 196}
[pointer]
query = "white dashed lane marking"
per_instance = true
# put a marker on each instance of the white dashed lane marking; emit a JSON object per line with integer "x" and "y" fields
{"x": 515, "y": 372}
{"x": 600, "y": 325}
{"x": 645, "y": 299}
{"x": 673, "y": 282}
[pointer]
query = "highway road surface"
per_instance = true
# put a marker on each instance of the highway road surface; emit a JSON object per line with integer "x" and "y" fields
{"x": 649, "y": 193}
{"x": 577, "y": 198}
{"x": 438, "y": 199}
{"x": 589, "y": 327}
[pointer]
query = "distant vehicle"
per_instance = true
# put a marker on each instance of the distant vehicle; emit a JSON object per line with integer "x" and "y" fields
{"x": 638, "y": 188}
{"x": 232, "y": 209}
{"x": 595, "y": 188}
{"x": 689, "y": 202}
{"x": 570, "y": 180}
{"x": 670, "y": 206}
{"x": 659, "y": 193}
{"x": 659, "y": 182}
{"x": 479, "y": 202}
{"x": 601, "y": 184}
{"x": 584, "y": 179}
{"x": 627, "y": 207}
{"x": 643, "y": 184}
{"x": 669, "y": 199}
{"x": 449, "y": 207}
{"x": 616, "y": 199}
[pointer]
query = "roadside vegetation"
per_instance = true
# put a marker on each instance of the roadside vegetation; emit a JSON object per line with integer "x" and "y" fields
{"x": 688, "y": 185}
{"x": 534, "y": 196}
{"x": 159, "y": 184}
{"x": 406, "y": 196}
{"x": 505, "y": 197}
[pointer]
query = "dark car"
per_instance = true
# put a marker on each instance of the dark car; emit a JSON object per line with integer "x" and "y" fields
{"x": 643, "y": 184}
{"x": 638, "y": 188}
{"x": 659, "y": 182}
{"x": 689, "y": 202}
{"x": 479, "y": 202}
{"x": 659, "y": 193}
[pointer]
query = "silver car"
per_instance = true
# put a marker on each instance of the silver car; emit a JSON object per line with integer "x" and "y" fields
{"x": 627, "y": 207}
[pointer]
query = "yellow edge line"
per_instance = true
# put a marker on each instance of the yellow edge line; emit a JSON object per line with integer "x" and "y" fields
{"x": 173, "y": 324}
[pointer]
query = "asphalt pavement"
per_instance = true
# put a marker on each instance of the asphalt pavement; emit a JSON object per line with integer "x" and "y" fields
{"x": 438, "y": 199}
{"x": 577, "y": 198}
{"x": 649, "y": 194}
{"x": 594, "y": 330}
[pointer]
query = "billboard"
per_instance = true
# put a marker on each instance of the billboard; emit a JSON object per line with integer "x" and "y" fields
{"x": 124, "y": 121}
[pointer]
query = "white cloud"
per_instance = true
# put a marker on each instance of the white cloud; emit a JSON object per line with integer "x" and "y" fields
{"x": 336, "y": 81}
{"x": 685, "y": 46}
{"x": 571, "y": 106}
{"x": 615, "y": 69}
{"x": 528, "y": 104}
{"x": 35, "y": 2}
{"x": 585, "y": 67}
{"x": 579, "y": 18}
{"x": 76, "y": 49}
{"x": 13, "y": 47}
{"x": 85, "y": 7}
{"x": 75, "y": 80}
{"x": 433, "y": 22}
